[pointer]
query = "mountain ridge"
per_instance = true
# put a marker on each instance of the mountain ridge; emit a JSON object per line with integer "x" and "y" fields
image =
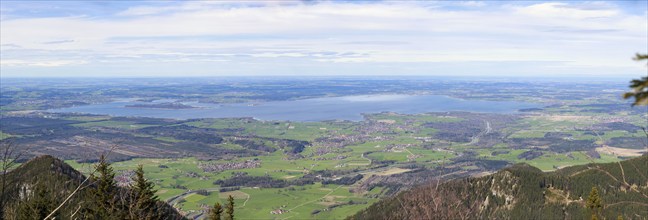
{"x": 49, "y": 179}
{"x": 522, "y": 191}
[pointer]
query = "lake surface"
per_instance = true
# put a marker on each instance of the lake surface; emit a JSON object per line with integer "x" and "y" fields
{"x": 316, "y": 109}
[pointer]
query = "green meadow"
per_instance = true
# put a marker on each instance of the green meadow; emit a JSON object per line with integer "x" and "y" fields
{"x": 403, "y": 147}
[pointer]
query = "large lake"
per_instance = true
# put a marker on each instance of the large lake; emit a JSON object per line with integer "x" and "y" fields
{"x": 316, "y": 109}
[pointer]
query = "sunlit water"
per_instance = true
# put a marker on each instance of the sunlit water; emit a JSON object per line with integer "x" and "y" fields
{"x": 316, "y": 109}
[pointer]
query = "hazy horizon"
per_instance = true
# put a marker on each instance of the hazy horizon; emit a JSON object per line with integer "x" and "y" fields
{"x": 567, "y": 78}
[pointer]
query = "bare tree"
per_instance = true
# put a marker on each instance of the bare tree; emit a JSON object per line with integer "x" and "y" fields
{"x": 10, "y": 157}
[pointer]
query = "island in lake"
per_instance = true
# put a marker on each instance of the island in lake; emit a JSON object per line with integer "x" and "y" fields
{"x": 163, "y": 105}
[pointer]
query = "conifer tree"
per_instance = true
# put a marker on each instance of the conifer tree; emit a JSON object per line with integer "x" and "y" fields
{"x": 215, "y": 212}
{"x": 594, "y": 202}
{"x": 144, "y": 195}
{"x": 37, "y": 205}
{"x": 229, "y": 208}
{"x": 639, "y": 86}
{"x": 105, "y": 189}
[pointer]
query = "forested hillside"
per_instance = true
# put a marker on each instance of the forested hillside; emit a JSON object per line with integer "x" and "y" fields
{"x": 37, "y": 187}
{"x": 607, "y": 191}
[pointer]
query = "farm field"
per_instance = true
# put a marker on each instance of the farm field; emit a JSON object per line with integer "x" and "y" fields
{"x": 253, "y": 202}
{"x": 324, "y": 109}
{"x": 307, "y": 183}
{"x": 282, "y": 169}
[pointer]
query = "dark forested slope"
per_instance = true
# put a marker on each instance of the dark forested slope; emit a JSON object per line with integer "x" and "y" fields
{"x": 38, "y": 186}
{"x": 524, "y": 192}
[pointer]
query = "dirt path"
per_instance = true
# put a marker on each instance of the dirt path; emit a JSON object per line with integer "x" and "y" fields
{"x": 625, "y": 202}
{"x": 408, "y": 151}
{"x": 599, "y": 136}
{"x": 611, "y": 176}
{"x": 363, "y": 156}
{"x": 579, "y": 172}
{"x": 608, "y": 173}
{"x": 246, "y": 200}
{"x": 637, "y": 169}
{"x": 626, "y": 184}
{"x": 622, "y": 173}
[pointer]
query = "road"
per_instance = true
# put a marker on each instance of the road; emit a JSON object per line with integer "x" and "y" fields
{"x": 475, "y": 138}
{"x": 174, "y": 200}
{"x": 200, "y": 215}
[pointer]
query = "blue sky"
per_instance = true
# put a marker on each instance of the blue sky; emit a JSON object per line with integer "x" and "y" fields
{"x": 350, "y": 38}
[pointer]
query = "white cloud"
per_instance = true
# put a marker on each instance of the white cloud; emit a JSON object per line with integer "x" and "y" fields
{"x": 565, "y": 10}
{"x": 473, "y": 3}
{"x": 40, "y": 63}
{"x": 583, "y": 34}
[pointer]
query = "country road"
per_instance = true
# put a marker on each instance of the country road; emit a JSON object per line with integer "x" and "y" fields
{"x": 475, "y": 138}
{"x": 174, "y": 200}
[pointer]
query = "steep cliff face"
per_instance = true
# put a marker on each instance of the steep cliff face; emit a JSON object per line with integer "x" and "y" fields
{"x": 41, "y": 184}
{"x": 524, "y": 192}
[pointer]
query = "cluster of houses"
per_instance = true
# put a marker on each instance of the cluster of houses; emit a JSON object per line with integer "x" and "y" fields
{"x": 124, "y": 178}
{"x": 218, "y": 167}
{"x": 278, "y": 211}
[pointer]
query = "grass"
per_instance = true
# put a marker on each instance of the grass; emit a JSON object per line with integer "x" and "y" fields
{"x": 528, "y": 134}
{"x": 5, "y": 135}
{"x": 419, "y": 118}
{"x": 259, "y": 204}
{"x": 113, "y": 124}
{"x": 300, "y": 202}
{"x": 314, "y": 201}
{"x": 167, "y": 139}
{"x": 307, "y": 131}
{"x": 549, "y": 160}
{"x": 88, "y": 118}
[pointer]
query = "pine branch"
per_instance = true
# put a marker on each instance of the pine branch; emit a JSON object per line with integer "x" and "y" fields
{"x": 75, "y": 190}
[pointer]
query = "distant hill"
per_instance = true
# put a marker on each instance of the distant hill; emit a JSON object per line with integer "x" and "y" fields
{"x": 524, "y": 192}
{"x": 41, "y": 184}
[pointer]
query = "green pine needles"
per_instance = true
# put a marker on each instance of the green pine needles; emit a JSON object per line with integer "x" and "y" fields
{"x": 594, "y": 203}
{"x": 229, "y": 208}
{"x": 216, "y": 212}
{"x": 105, "y": 190}
{"x": 145, "y": 205}
{"x": 639, "y": 86}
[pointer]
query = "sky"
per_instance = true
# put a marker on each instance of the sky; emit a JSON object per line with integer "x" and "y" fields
{"x": 322, "y": 38}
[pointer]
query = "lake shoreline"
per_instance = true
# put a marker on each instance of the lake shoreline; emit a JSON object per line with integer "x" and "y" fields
{"x": 313, "y": 109}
